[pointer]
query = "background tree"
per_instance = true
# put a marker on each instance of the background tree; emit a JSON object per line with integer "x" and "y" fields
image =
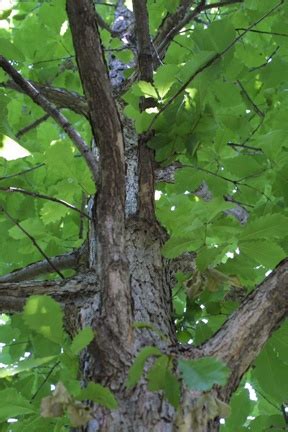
{"x": 100, "y": 102}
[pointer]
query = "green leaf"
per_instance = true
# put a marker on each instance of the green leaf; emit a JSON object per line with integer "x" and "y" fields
{"x": 147, "y": 89}
{"x": 160, "y": 377}
{"x": 165, "y": 77}
{"x": 44, "y": 315}
{"x": 25, "y": 365}
{"x": 209, "y": 257}
{"x": 137, "y": 367}
{"x": 172, "y": 389}
{"x": 202, "y": 374}
{"x": 157, "y": 372}
{"x": 176, "y": 245}
{"x": 10, "y": 51}
{"x": 240, "y": 409}
{"x": 98, "y": 394}
{"x": 270, "y": 372}
{"x": 81, "y": 340}
{"x": 265, "y": 227}
{"x": 265, "y": 252}
{"x": 13, "y": 404}
{"x": 53, "y": 212}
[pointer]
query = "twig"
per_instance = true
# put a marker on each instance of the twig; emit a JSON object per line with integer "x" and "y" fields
{"x": 263, "y": 32}
{"x": 12, "y": 189}
{"x": 102, "y": 23}
{"x": 32, "y": 125}
{"x": 45, "y": 380}
{"x": 221, "y": 4}
{"x": 267, "y": 61}
{"x": 254, "y": 150}
{"x": 105, "y": 4}
{"x": 32, "y": 240}
{"x": 52, "y": 60}
{"x": 254, "y": 131}
{"x": 255, "y": 107}
{"x": 23, "y": 172}
{"x": 210, "y": 62}
{"x": 50, "y": 109}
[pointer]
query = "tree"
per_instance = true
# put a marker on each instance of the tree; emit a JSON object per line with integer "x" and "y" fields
{"x": 102, "y": 103}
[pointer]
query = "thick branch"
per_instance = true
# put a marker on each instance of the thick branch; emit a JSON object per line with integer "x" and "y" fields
{"x": 243, "y": 335}
{"x": 70, "y": 260}
{"x": 110, "y": 199}
{"x": 146, "y": 155}
{"x": 144, "y": 46}
{"x": 74, "y": 292}
{"x": 50, "y": 109}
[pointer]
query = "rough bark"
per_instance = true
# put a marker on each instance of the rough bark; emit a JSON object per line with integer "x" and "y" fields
{"x": 112, "y": 266}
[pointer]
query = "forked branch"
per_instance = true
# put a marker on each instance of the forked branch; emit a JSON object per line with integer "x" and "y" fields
{"x": 173, "y": 23}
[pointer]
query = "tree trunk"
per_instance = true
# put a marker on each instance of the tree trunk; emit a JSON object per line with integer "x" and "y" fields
{"x": 139, "y": 409}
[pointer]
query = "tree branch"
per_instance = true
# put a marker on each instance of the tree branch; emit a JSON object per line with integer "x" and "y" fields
{"x": 146, "y": 155}
{"x": 102, "y": 23}
{"x": 75, "y": 291}
{"x": 14, "y": 221}
{"x": 110, "y": 199}
{"x": 62, "y": 121}
{"x": 167, "y": 175}
{"x": 60, "y": 97}
{"x": 173, "y": 23}
{"x": 250, "y": 149}
{"x": 144, "y": 46}
{"x": 31, "y": 126}
{"x": 12, "y": 189}
{"x": 250, "y": 100}
{"x": 20, "y": 173}
{"x": 66, "y": 261}
{"x": 261, "y": 313}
